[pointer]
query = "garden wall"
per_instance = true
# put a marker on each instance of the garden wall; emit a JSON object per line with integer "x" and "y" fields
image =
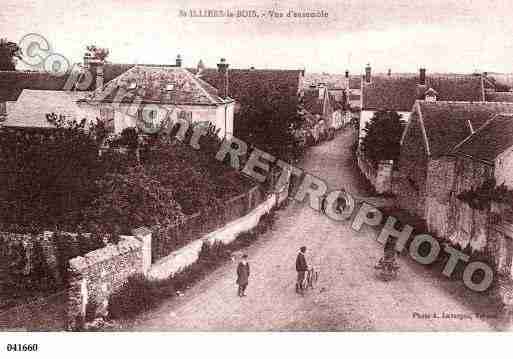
{"x": 185, "y": 256}
{"x": 166, "y": 240}
{"x": 96, "y": 275}
{"x": 379, "y": 176}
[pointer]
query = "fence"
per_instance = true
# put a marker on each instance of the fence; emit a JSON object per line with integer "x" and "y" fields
{"x": 170, "y": 238}
{"x": 46, "y": 314}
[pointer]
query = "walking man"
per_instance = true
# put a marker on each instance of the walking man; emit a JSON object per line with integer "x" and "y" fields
{"x": 243, "y": 275}
{"x": 301, "y": 268}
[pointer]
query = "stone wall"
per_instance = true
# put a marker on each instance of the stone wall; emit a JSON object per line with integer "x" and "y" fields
{"x": 168, "y": 239}
{"x": 413, "y": 163}
{"x": 439, "y": 185}
{"x": 96, "y": 275}
{"x": 380, "y": 175}
{"x": 468, "y": 226}
{"x": 187, "y": 255}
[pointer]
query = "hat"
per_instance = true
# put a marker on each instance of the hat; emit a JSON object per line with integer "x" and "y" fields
{"x": 302, "y": 249}
{"x": 244, "y": 256}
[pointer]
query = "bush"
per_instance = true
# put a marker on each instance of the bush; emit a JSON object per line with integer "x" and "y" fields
{"x": 134, "y": 297}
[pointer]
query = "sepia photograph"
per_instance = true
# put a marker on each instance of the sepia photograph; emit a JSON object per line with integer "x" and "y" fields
{"x": 292, "y": 166}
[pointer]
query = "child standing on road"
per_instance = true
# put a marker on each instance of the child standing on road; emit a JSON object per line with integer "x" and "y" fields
{"x": 243, "y": 275}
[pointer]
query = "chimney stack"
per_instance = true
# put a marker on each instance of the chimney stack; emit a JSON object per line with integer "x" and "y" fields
{"x": 322, "y": 90}
{"x": 222, "y": 69}
{"x": 368, "y": 70}
{"x": 95, "y": 68}
{"x": 178, "y": 60}
{"x": 422, "y": 76}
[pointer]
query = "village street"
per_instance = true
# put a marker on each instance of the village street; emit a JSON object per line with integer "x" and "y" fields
{"x": 348, "y": 296}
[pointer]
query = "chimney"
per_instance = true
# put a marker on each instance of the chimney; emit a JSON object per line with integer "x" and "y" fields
{"x": 389, "y": 72}
{"x": 178, "y": 61}
{"x": 322, "y": 91}
{"x": 368, "y": 70}
{"x": 95, "y": 67}
{"x": 347, "y": 74}
{"x": 200, "y": 68}
{"x": 87, "y": 59}
{"x": 422, "y": 76}
{"x": 222, "y": 69}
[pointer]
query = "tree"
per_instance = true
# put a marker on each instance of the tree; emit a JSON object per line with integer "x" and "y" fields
{"x": 49, "y": 174}
{"x": 383, "y": 136}
{"x": 98, "y": 53}
{"x": 9, "y": 52}
{"x": 269, "y": 124}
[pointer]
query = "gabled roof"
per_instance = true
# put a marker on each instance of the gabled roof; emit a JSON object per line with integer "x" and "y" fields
{"x": 12, "y": 83}
{"x": 158, "y": 84}
{"x": 33, "y": 105}
{"x": 312, "y": 103}
{"x": 446, "y": 124}
{"x": 399, "y": 93}
{"x": 489, "y": 141}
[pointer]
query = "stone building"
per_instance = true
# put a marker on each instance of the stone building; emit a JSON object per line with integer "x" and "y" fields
{"x": 483, "y": 155}
{"x": 398, "y": 92}
{"x": 434, "y": 130}
{"x": 149, "y": 96}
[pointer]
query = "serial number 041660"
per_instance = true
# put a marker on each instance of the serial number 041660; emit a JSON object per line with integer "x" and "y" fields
{"x": 22, "y": 347}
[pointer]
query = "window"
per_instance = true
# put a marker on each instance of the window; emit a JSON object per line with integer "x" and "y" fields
{"x": 185, "y": 115}
{"x": 132, "y": 85}
{"x": 170, "y": 87}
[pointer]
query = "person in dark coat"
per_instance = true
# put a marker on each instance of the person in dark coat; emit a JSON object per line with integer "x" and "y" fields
{"x": 243, "y": 275}
{"x": 301, "y": 268}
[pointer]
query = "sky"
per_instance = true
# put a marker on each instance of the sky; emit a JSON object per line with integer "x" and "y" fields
{"x": 401, "y": 35}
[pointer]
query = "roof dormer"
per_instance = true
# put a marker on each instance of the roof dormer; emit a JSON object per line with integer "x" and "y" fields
{"x": 430, "y": 95}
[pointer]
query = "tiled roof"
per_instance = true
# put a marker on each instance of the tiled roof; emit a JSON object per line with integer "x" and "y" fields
{"x": 448, "y": 123}
{"x": 499, "y": 96}
{"x": 158, "y": 84}
{"x": 33, "y": 105}
{"x": 277, "y": 89}
{"x": 312, "y": 103}
{"x": 12, "y": 83}
{"x": 489, "y": 141}
{"x": 399, "y": 93}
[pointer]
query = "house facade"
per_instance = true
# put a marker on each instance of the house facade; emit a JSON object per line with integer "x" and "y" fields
{"x": 321, "y": 103}
{"x": 149, "y": 97}
{"x": 481, "y": 160}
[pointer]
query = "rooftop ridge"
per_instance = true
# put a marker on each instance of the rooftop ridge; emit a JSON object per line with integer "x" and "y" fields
{"x": 466, "y": 102}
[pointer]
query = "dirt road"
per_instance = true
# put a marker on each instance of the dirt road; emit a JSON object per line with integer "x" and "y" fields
{"x": 348, "y": 296}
